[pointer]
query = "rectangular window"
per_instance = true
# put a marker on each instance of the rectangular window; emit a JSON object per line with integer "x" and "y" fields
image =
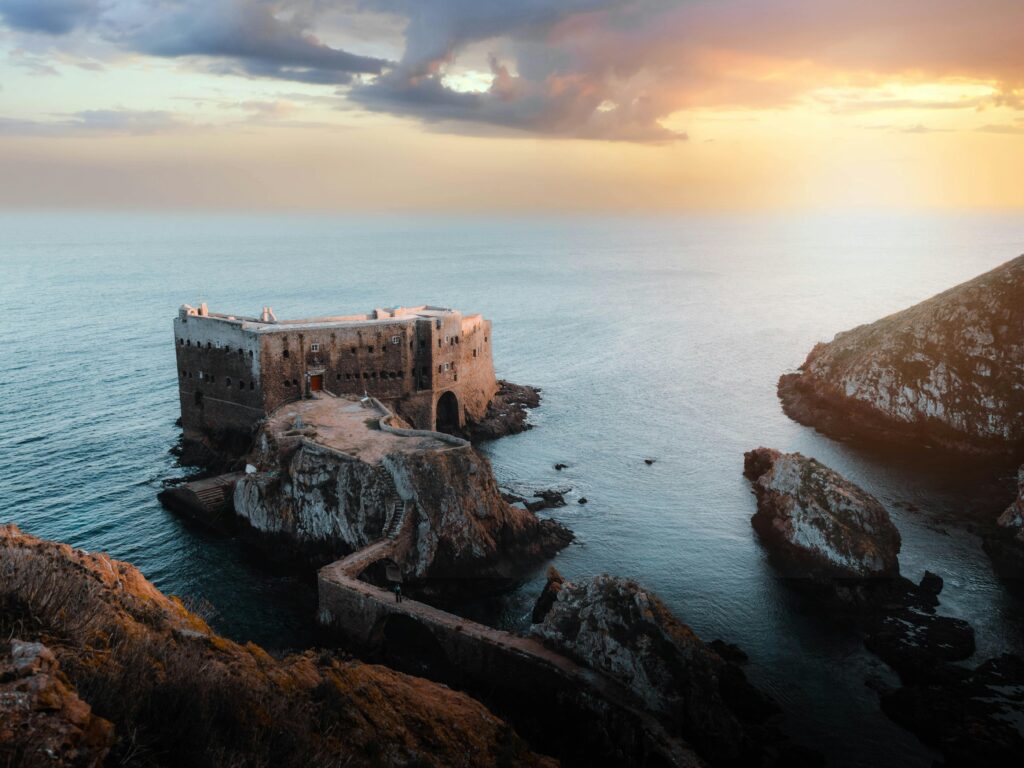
{"x": 314, "y": 347}
{"x": 396, "y": 339}
{"x": 447, "y": 366}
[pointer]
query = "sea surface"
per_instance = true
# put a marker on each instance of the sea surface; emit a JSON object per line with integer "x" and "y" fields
{"x": 653, "y": 338}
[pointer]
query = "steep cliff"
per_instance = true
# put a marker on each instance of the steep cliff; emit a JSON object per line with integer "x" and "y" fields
{"x": 340, "y": 483}
{"x": 178, "y": 694}
{"x": 947, "y": 372}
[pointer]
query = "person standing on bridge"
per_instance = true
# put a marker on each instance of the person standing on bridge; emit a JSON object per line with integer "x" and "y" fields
{"x": 398, "y": 593}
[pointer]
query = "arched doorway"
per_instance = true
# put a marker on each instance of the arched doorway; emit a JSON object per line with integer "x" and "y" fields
{"x": 448, "y": 414}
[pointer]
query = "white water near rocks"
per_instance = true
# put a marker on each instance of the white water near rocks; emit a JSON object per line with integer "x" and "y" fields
{"x": 651, "y": 337}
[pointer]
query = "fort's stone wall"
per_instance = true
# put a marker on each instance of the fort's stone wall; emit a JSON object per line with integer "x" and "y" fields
{"x": 233, "y": 371}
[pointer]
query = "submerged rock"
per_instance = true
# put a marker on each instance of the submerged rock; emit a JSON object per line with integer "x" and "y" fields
{"x": 946, "y": 372}
{"x": 190, "y": 697}
{"x": 617, "y": 628}
{"x": 818, "y": 523}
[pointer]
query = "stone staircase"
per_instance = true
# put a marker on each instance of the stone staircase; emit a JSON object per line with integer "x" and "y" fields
{"x": 395, "y": 519}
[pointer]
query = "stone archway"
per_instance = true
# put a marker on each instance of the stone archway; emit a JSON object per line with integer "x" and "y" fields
{"x": 448, "y": 415}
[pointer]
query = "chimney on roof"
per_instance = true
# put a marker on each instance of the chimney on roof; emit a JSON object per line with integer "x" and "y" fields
{"x": 204, "y": 311}
{"x": 268, "y": 316}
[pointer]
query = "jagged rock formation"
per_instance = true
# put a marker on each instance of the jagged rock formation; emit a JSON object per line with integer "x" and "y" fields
{"x": 43, "y": 722}
{"x": 179, "y": 694}
{"x": 817, "y": 522}
{"x": 322, "y": 499}
{"x": 616, "y": 627}
{"x": 1012, "y": 520}
{"x": 973, "y": 717}
{"x": 947, "y": 372}
{"x": 506, "y": 412}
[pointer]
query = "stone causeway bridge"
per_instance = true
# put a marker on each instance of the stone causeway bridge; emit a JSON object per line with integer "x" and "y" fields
{"x": 469, "y": 655}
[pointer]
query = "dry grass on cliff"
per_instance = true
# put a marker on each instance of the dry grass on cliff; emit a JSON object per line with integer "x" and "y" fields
{"x": 180, "y": 695}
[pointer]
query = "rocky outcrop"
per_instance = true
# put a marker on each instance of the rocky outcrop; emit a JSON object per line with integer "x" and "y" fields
{"x": 43, "y": 722}
{"x": 617, "y": 628}
{"x": 819, "y": 524}
{"x": 946, "y": 372}
{"x": 455, "y": 522}
{"x": 1012, "y": 520}
{"x": 973, "y": 717}
{"x": 836, "y": 540}
{"x": 179, "y": 694}
{"x": 506, "y": 413}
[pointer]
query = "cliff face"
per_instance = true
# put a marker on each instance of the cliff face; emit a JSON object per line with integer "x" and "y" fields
{"x": 179, "y": 694}
{"x": 443, "y": 500}
{"x": 948, "y": 371}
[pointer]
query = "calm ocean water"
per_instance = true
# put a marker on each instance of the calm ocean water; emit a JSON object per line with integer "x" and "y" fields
{"x": 658, "y": 338}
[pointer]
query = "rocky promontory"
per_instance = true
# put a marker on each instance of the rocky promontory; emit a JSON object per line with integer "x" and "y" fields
{"x": 330, "y": 476}
{"x": 620, "y": 630}
{"x": 104, "y": 661}
{"x": 946, "y": 372}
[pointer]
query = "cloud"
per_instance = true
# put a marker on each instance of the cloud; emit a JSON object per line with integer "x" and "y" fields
{"x": 52, "y": 17}
{"x": 601, "y": 69}
{"x": 1017, "y": 129}
{"x": 97, "y": 121}
{"x": 250, "y": 37}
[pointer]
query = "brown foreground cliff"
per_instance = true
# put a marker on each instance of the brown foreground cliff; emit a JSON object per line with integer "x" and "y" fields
{"x": 948, "y": 372}
{"x": 177, "y": 694}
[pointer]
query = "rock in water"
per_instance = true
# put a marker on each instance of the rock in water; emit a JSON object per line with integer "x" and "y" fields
{"x": 818, "y": 523}
{"x": 617, "y": 628}
{"x": 946, "y": 372}
{"x": 548, "y": 595}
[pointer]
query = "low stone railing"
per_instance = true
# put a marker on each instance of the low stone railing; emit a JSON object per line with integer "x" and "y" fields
{"x": 452, "y": 440}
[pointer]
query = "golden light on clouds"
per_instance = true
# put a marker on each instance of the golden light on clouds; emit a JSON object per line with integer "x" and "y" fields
{"x": 599, "y": 105}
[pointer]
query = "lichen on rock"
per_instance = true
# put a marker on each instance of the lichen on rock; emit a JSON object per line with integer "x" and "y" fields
{"x": 947, "y": 372}
{"x": 621, "y": 630}
{"x": 818, "y": 523}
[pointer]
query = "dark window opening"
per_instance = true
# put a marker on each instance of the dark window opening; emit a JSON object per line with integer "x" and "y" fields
{"x": 353, "y": 350}
{"x": 369, "y": 349}
{"x": 285, "y": 353}
{"x": 188, "y": 343}
{"x": 252, "y": 385}
{"x": 241, "y": 385}
{"x": 474, "y": 353}
{"x": 227, "y": 382}
{"x": 250, "y": 354}
{"x": 209, "y": 345}
{"x": 287, "y": 383}
{"x": 295, "y": 382}
{"x": 198, "y": 399}
{"x": 181, "y": 342}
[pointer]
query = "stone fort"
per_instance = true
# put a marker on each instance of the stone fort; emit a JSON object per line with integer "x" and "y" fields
{"x": 431, "y": 365}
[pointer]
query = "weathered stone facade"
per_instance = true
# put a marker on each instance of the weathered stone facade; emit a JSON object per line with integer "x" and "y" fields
{"x": 431, "y": 365}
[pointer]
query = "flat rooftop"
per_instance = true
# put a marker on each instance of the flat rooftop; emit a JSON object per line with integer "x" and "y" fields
{"x": 268, "y": 323}
{"x": 349, "y": 425}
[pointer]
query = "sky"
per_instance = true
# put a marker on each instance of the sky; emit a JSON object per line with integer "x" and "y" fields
{"x": 512, "y": 105}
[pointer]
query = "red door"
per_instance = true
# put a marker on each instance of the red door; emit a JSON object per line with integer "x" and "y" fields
{"x": 316, "y": 383}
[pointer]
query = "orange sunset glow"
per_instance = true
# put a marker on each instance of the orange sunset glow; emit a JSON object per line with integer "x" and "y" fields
{"x": 643, "y": 105}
